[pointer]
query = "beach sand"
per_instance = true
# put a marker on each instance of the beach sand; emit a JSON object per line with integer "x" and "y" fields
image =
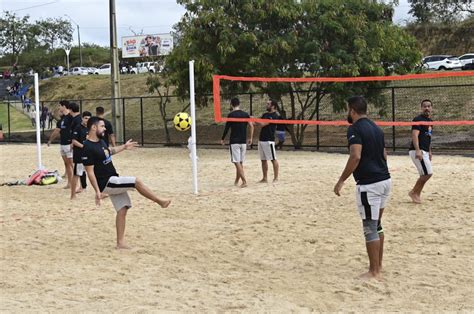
{"x": 290, "y": 246}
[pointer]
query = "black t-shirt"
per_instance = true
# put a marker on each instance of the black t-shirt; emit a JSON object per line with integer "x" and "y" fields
{"x": 76, "y": 121}
{"x": 108, "y": 130}
{"x": 238, "y": 130}
{"x": 268, "y": 132}
{"x": 372, "y": 166}
{"x": 97, "y": 154}
{"x": 65, "y": 133}
{"x": 424, "y": 137}
{"x": 79, "y": 134}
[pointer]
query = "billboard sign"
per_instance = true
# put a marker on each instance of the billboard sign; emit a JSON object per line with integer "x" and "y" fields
{"x": 146, "y": 45}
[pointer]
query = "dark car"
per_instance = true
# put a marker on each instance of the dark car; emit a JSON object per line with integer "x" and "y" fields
{"x": 468, "y": 66}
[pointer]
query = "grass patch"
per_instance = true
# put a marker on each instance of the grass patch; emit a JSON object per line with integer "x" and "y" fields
{"x": 19, "y": 121}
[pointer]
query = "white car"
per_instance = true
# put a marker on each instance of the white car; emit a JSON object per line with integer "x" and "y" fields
{"x": 467, "y": 58}
{"x": 103, "y": 69}
{"x": 441, "y": 62}
{"x": 145, "y": 67}
{"x": 79, "y": 71}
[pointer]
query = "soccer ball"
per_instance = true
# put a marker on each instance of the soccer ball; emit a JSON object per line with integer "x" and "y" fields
{"x": 182, "y": 121}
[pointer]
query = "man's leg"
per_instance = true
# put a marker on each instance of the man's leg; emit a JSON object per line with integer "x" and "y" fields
{"x": 237, "y": 174}
{"x": 120, "y": 226}
{"x": 381, "y": 236}
{"x": 240, "y": 173}
{"x": 276, "y": 168}
{"x": 372, "y": 243}
{"x": 415, "y": 193}
{"x": 264, "y": 171}
{"x": 146, "y": 192}
{"x": 67, "y": 171}
{"x": 74, "y": 186}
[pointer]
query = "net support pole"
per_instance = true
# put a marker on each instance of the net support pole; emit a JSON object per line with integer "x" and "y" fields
{"x": 193, "y": 126}
{"x": 37, "y": 118}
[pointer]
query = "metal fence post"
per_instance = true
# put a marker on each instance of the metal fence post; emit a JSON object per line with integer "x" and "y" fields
{"x": 42, "y": 123}
{"x": 141, "y": 120}
{"x": 80, "y": 106}
{"x": 123, "y": 120}
{"x": 317, "y": 127}
{"x": 9, "y": 122}
{"x": 251, "y": 104}
{"x": 393, "y": 119}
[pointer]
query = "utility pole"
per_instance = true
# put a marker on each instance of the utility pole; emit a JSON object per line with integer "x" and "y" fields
{"x": 117, "y": 114}
{"x": 78, "y": 37}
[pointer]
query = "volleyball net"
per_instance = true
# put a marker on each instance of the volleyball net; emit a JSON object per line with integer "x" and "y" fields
{"x": 314, "y": 108}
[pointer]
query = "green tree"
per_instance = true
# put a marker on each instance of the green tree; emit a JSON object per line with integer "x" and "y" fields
{"x": 291, "y": 39}
{"x": 440, "y": 11}
{"x": 14, "y": 34}
{"x": 55, "y": 32}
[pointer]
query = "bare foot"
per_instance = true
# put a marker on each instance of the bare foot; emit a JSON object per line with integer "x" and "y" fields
{"x": 79, "y": 190}
{"x": 415, "y": 198}
{"x": 275, "y": 180}
{"x": 369, "y": 275}
{"x": 67, "y": 187}
{"x": 164, "y": 203}
{"x": 73, "y": 196}
{"x": 243, "y": 185}
{"x": 263, "y": 181}
{"x": 104, "y": 195}
{"x": 122, "y": 246}
{"x": 236, "y": 182}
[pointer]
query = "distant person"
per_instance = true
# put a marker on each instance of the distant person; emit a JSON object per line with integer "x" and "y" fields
{"x": 266, "y": 142}
{"x": 281, "y": 131}
{"x": 44, "y": 117}
{"x": 368, "y": 163}
{"x": 97, "y": 158}
{"x": 63, "y": 128}
{"x": 79, "y": 135}
{"x": 32, "y": 115}
{"x": 238, "y": 140}
{"x": 50, "y": 119}
{"x": 76, "y": 116}
{"x": 420, "y": 149}
{"x": 109, "y": 136}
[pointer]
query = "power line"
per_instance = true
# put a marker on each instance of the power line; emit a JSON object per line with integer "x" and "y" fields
{"x": 36, "y": 6}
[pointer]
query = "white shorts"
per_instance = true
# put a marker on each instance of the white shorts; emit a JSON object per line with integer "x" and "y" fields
{"x": 79, "y": 169}
{"x": 65, "y": 150}
{"x": 424, "y": 165}
{"x": 117, "y": 188}
{"x": 237, "y": 152}
{"x": 267, "y": 150}
{"x": 371, "y": 198}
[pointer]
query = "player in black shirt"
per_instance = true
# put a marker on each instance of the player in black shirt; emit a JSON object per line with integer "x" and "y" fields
{"x": 109, "y": 136}
{"x": 63, "y": 128}
{"x": 79, "y": 135}
{"x": 238, "y": 140}
{"x": 266, "y": 141}
{"x": 420, "y": 149}
{"x": 97, "y": 158}
{"x": 368, "y": 163}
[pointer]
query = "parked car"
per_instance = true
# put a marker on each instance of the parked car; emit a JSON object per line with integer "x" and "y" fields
{"x": 441, "y": 62}
{"x": 103, "y": 69}
{"x": 91, "y": 70}
{"x": 466, "y": 59}
{"x": 145, "y": 67}
{"x": 79, "y": 71}
{"x": 468, "y": 66}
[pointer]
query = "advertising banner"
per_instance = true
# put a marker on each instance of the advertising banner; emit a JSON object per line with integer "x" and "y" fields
{"x": 146, "y": 45}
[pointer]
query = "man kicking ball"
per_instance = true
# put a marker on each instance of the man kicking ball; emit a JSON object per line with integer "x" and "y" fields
{"x": 97, "y": 159}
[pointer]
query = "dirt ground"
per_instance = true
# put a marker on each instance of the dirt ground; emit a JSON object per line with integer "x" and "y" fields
{"x": 290, "y": 246}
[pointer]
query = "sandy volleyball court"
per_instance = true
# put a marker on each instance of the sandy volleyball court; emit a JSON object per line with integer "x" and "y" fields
{"x": 293, "y": 246}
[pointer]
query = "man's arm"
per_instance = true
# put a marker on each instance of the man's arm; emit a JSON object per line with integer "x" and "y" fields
{"x": 251, "y": 133}
{"x": 77, "y": 143}
{"x": 127, "y": 146}
{"x": 53, "y": 135}
{"x": 385, "y": 155}
{"x": 112, "y": 139}
{"x": 351, "y": 165}
{"x": 95, "y": 185}
{"x": 226, "y": 129}
{"x": 416, "y": 143}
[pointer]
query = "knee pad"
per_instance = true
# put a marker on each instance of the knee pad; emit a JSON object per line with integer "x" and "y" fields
{"x": 370, "y": 230}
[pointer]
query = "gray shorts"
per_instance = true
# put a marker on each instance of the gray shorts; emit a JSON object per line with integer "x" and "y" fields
{"x": 267, "y": 150}
{"x": 117, "y": 188}
{"x": 423, "y": 166}
{"x": 65, "y": 150}
{"x": 237, "y": 152}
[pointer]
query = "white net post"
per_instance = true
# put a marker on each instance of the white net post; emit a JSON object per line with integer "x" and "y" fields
{"x": 37, "y": 118}
{"x": 193, "y": 127}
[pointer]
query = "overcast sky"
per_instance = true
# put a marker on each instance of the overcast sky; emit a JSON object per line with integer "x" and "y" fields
{"x": 151, "y": 16}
